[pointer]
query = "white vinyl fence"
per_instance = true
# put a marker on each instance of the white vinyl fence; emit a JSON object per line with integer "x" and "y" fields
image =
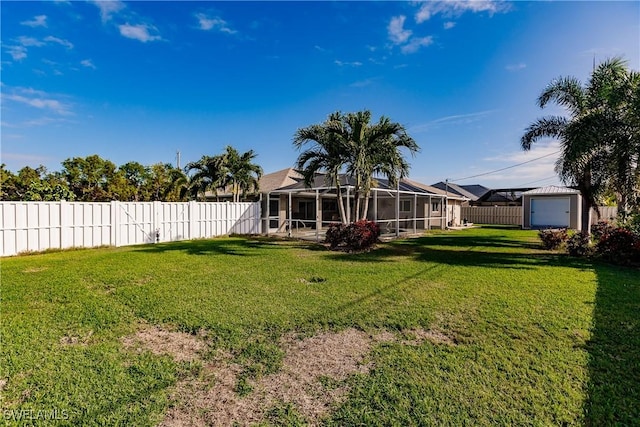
{"x": 37, "y": 226}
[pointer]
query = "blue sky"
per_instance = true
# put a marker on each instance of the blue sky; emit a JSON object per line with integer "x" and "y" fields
{"x": 137, "y": 81}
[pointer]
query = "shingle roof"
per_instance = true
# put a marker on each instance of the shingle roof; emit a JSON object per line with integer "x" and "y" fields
{"x": 471, "y": 192}
{"x": 552, "y": 189}
{"x": 319, "y": 181}
{"x": 279, "y": 179}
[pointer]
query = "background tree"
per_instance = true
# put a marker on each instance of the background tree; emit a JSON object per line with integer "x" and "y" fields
{"x": 136, "y": 176}
{"x": 88, "y": 177}
{"x": 240, "y": 172}
{"x": 208, "y": 175}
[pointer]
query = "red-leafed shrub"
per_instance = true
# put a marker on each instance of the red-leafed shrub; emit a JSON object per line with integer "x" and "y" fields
{"x": 579, "y": 244}
{"x": 334, "y": 235}
{"x": 620, "y": 246}
{"x": 553, "y": 238}
{"x": 600, "y": 228}
{"x": 357, "y": 236}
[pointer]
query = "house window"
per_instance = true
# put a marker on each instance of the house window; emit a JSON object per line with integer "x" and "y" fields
{"x": 405, "y": 205}
{"x": 435, "y": 206}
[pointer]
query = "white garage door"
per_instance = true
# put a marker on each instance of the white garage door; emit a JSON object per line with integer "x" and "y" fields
{"x": 550, "y": 212}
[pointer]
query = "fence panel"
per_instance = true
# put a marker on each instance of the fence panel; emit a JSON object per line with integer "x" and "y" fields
{"x": 503, "y": 215}
{"x": 36, "y": 226}
{"x": 607, "y": 213}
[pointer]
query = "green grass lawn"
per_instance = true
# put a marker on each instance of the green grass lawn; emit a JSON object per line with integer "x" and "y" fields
{"x": 538, "y": 338}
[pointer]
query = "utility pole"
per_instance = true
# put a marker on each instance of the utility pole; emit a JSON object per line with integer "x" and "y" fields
{"x": 178, "y": 159}
{"x": 446, "y": 203}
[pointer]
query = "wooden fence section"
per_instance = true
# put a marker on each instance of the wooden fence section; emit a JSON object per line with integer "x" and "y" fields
{"x": 37, "y": 226}
{"x": 512, "y": 215}
{"x": 504, "y": 215}
{"x": 607, "y": 213}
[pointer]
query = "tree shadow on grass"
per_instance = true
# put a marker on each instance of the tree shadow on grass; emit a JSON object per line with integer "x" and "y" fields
{"x": 462, "y": 250}
{"x": 235, "y": 246}
{"x": 614, "y": 349}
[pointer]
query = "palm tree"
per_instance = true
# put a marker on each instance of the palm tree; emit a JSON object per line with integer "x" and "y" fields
{"x": 328, "y": 155}
{"x": 178, "y": 186}
{"x": 240, "y": 172}
{"x": 350, "y": 143}
{"x": 596, "y": 143}
{"x": 209, "y": 175}
{"x": 375, "y": 150}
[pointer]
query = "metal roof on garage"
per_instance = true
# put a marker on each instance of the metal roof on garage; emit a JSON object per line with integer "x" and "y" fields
{"x": 551, "y": 190}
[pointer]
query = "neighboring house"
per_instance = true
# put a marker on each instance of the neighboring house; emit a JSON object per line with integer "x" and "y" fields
{"x": 479, "y": 195}
{"x": 297, "y": 207}
{"x": 471, "y": 192}
{"x": 552, "y": 206}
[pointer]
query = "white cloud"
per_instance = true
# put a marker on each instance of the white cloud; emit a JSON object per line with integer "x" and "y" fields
{"x": 458, "y": 7}
{"x": 347, "y": 64}
{"x": 213, "y": 23}
{"x": 18, "y": 53}
{"x": 29, "y": 41}
{"x": 456, "y": 119}
{"x": 449, "y": 25}
{"x": 538, "y": 164}
{"x": 108, "y": 8}
{"x": 39, "y": 100}
{"x": 37, "y": 21}
{"x": 516, "y": 67}
{"x": 140, "y": 32}
{"x": 87, "y": 63}
{"x": 416, "y": 43}
{"x": 397, "y": 34}
{"x": 65, "y": 43}
{"x": 363, "y": 83}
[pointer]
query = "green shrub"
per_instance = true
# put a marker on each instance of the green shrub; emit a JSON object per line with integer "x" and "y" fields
{"x": 553, "y": 238}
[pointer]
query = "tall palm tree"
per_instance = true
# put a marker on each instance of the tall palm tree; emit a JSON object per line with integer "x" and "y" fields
{"x": 350, "y": 143}
{"x": 240, "y": 172}
{"x": 209, "y": 175}
{"x": 328, "y": 155}
{"x": 596, "y": 143}
{"x": 377, "y": 151}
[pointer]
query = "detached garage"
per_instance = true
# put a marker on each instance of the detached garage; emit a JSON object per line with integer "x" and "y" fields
{"x": 551, "y": 207}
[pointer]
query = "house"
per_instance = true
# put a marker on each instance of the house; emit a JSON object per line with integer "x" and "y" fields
{"x": 479, "y": 195}
{"x": 552, "y": 206}
{"x": 471, "y": 192}
{"x": 409, "y": 207}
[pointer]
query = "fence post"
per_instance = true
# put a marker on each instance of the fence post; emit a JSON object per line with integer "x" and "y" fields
{"x": 191, "y": 219}
{"x": 115, "y": 224}
{"x": 157, "y": 209}
{"x": 63, "y": 224}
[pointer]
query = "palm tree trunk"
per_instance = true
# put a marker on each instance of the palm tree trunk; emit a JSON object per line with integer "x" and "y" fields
{"x": 343, "y": 215}
{"x": 586, "y": 216}
{"x": 365, "y": 208}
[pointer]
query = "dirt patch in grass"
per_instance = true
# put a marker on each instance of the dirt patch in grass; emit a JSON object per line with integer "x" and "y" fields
{"x": 311, "y": 379}
{"x": 179, "y": 345}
